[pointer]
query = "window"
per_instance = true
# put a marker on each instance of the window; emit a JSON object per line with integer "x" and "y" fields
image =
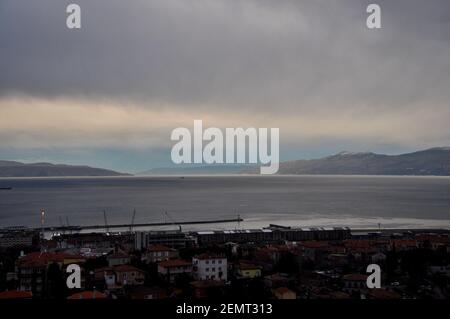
{"x": 213, "y": 261}
{"x": 207, "y": 269}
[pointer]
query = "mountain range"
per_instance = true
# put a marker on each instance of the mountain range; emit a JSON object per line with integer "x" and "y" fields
{"x": 18, "y": 169}
{"x": 434, "y": 161}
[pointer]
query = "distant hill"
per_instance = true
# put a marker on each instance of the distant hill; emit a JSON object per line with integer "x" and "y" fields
{"x": 434, "y": 161}
{"x": 18, "y": 169}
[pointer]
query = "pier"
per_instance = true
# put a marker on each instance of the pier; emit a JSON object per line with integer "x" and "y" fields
{"x": 129, "y": 226}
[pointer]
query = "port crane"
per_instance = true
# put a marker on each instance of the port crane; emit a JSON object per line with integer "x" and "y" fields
{"x": 132, "y": 220}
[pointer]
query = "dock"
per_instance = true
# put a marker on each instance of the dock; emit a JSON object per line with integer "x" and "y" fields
{"x": 118, "y": 226}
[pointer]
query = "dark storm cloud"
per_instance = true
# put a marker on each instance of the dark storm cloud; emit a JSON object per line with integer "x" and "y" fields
{"x": 139, "y": 68}
{"x": 288, "y": 55}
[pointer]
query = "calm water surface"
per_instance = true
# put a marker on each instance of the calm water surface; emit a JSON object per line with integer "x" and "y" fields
{"x": 289, "y": 200}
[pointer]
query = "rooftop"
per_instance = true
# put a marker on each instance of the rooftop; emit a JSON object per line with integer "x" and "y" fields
{"x": 282, "y": 290}
{"x": 209, "y": 256}
{"x": 174, "y": 263}
{"x": 15, "y": 294}
{"x": 42, "y": 259}
{"x": 355, "y": 277}
{"x": 247, "y": 266}
{"x": 158, "y": 248}
{"x": 88, "y": 295}
{"x": 126, "y": 268}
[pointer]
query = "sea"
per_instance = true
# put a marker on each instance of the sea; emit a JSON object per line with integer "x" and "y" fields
{"x": 304, "y": 201}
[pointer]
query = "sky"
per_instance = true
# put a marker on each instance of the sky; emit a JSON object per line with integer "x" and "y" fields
{"x": 110, "y": 93}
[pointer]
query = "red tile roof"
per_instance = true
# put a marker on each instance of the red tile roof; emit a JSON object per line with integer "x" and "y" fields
{"x": 358, "y": 243}
{"x": 209, "y": 256}
{"x": 100, "y": 272}
{"x": 126, "y": 268}
{"x": 383, "y": 294}
{"x": 174, "y": 263}
{"x": 282, "y": 290}
{"x": 277, "y": 248}
{"x": 158, "y": 248}
{"x": 404, "y": 243}
{"x": 355, "y": 277}
{"x": 16, "y": 294}
{"x": 42, "y": 259}
{"x": 433, "y": 238}
{"x": 314, "y": 244}
{"x": 118, "y": 255}
{"x": 88, "y": 295}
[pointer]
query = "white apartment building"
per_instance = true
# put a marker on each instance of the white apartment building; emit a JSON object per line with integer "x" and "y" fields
{"x": 207, "y": 267}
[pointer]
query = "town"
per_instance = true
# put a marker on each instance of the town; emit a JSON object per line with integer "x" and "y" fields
{"x": 275, "y": 262}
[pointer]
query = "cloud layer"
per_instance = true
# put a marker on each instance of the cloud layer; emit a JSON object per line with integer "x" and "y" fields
{"x": 138, "y": 69}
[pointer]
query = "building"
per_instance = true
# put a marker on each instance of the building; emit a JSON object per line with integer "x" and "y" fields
{"x": 106, "y": 277}
{"x": 118, "y": 258}
{"x": 157, "y": 253}
{"x": 32, "y": 269}
{"x": 248, "y": 271}
{"x": 117, "y": 277}
{"x": 16, "y": 294}
{"x": 314, "y": 250}
{"x": 439, "y": 270}
{"x": 276, "y": 280}
{"x": 170, "y": 238}
{"x": 19, "y": 239}
{"x": 88, "y": 295}
{"x": 93, "y": 240}
{"x": 382, "y": 294}
{"x": 209, "y": 267}
{"x": 378, "y": 258}
{"x": 284, "y": 293}
{"x": 403, "y": 244}
{"x": 354, "y": 282}
{"x": 128, "y": 275}
{"x": 171, "y": 269}
{"x": 208, "y": 288}
{"x": 271, "y": 234}
{"x": 143, "y": 292}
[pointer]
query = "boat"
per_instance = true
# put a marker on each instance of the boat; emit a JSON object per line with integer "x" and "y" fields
{"x": 5, "y": 188}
